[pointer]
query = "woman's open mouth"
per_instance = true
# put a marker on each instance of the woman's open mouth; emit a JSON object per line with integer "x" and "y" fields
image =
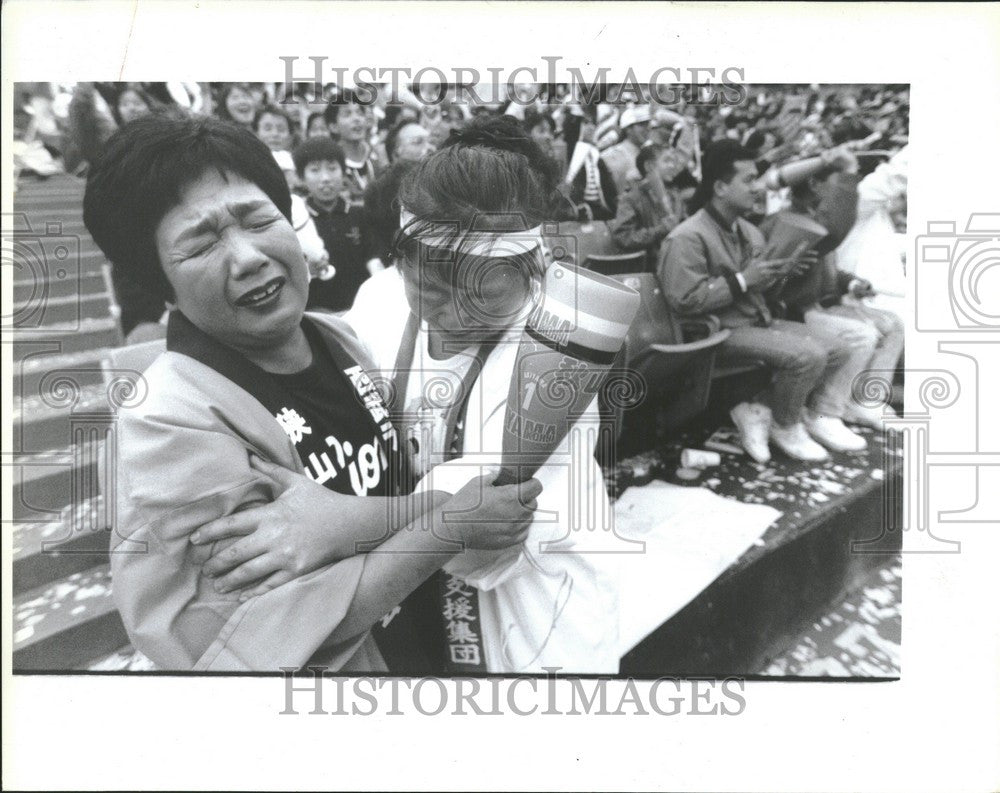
{"x": 263, "y": 295}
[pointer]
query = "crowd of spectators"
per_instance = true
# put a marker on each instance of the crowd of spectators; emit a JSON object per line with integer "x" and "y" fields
{"x": 698, "y": 187}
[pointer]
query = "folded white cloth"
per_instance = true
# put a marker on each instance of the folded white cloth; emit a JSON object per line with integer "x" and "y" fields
{"x": 692, "y": 535}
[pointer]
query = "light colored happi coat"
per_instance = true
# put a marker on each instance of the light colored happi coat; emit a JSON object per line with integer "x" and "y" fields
{"x": 184, "y": 460}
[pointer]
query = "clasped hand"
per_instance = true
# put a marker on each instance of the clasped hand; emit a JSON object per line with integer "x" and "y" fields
{"x": 308, "y": 526}
{"x": 281, "y": 540}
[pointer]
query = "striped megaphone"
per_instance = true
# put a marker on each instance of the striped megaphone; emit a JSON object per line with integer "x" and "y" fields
{"x": 572, "y": 336}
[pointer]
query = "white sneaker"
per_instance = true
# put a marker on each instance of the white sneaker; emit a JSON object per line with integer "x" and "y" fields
{"x": 832, "y": 433}
{"x": 753, "y": 421}
{"x": 795, "y": 442}
{"x": 869, "y": 417}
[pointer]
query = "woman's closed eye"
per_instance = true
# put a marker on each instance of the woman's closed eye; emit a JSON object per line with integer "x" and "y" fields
{"x": 260, "y": 222}
{"x": 199, "y": 248}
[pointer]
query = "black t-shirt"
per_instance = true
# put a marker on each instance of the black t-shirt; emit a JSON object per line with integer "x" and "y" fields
{"x": 323, "y": 412}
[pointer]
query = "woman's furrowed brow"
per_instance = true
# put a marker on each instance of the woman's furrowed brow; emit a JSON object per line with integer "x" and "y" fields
{"x": 210, "y": 220}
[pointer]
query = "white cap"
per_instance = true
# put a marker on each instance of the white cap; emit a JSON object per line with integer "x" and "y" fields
{"x": 634, "y": 115}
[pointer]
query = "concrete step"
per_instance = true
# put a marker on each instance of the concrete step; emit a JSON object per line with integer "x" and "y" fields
{"x": 39, "y": 214}
{"x": 45, "y": 483}
{"x": 63, "y": 202}
{"x": 66, "y": 624}
{"x": 47, "y": 191}
{"x": 83, "y": 366}
{"x": 86, "y": 334}
{"x": 47, "y": 552}
{"x": 58, "y": 182}
{"x": 61, "y": 310}
{"x": 62, "y": 418}
{"x": 60, "y": 282}
{"x": 89, "y": 257}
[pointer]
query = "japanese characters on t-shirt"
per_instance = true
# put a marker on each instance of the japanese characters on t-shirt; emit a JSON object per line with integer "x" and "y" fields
{"x": 323, "y": 415}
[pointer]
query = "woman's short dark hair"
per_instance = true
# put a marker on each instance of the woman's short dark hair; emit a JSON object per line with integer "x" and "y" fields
{"x": 684, "y": 181}
{"x": 490, "y": 166}
{"x": 144, "y": 167}
{"x": 312, "y": 117}
{"x": 755, "y": 141}
{"x": 314, "y": 150}
{"x": 136, "y": 89}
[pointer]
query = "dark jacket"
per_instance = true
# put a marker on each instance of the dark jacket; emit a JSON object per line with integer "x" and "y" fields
{"x": 345, "y": 236}
{"x": 696, "y": 259}
{"x": 639, "y": 224}
{"x": 605, "y": 211}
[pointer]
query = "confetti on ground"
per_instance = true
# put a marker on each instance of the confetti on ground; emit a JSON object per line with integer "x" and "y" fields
{"x": 124, "y": 660}
{"x": 858, "y": 637}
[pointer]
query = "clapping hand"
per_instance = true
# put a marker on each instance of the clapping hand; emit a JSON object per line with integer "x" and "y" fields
{"x": 761, "y": 273}
{"x": 802, "y": 261}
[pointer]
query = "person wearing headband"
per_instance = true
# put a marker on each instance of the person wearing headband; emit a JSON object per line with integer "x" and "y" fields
{"x": 444, "y": 327}
{"x": 257, "y": 477}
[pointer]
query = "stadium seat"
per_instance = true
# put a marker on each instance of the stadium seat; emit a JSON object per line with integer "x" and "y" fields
{"x": 674, "y": 358}
{"x": 616, "y": 264}
{"x": 572, "y": 242}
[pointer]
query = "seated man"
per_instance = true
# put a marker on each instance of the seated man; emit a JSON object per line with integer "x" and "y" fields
{"x": 648, "y": 213}
{"x": 713, "y": 263}
{"x": 874, "y": 249}
{"x": 830, "y": 197}
{"x": 620, "y": 158}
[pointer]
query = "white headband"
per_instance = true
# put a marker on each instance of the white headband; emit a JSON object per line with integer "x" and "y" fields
{"x": 491, "y": 244}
